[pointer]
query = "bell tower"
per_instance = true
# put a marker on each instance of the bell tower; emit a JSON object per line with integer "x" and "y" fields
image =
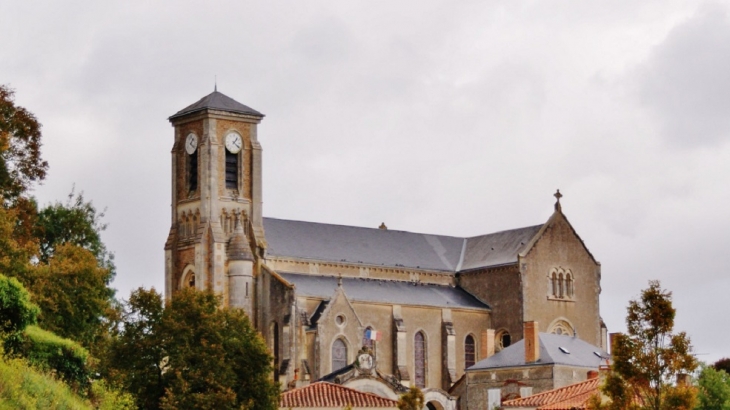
{"x": 216, "y": 232}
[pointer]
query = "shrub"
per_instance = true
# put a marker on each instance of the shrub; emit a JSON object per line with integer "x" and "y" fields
{"x": 48, "y": 351}
{"x": 16, "y": 309}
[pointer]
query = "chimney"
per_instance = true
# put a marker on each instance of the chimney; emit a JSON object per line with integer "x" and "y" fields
{"x": 532, "y": 342}
{"x": 612, "y": 338}
{"x": 487, "y": 344}
{"x": 592, "y": 374}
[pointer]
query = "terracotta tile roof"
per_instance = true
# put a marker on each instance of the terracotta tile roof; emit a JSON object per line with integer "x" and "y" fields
{"x": 323, "y": 394}
{"x": 570, "y": 397}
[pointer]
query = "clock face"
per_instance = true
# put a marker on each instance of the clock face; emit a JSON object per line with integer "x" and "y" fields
{"x": 191, "y": 143}
{"x": 234, "y": 143}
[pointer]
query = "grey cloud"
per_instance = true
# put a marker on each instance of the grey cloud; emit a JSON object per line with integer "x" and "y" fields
{"x": 685, "y": 81}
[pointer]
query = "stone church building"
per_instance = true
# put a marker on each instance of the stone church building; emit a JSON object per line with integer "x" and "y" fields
{"x": 373, "y": 309}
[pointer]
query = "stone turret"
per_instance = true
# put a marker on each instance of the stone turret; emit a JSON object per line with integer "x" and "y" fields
{"x": 240, "y": 270}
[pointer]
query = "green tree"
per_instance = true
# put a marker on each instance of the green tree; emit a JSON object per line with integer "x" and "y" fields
{"x": 714, "y": 389}
{"x": 20, "y": 148}
{"x": 411, "y": 400}
{"x": 76, "y": 222}
{"x": 16, "y": 309}
{"x": 648, "y": 360}
{"x": 73, "y": 293}
{"x": 191, "y": 354}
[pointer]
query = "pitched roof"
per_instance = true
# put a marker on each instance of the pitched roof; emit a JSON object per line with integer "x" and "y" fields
{"x": 581, "y": 354}
{"x": 387, "y": 247}
{"x": 217, "y": 101}
{"x": 574, "y": 396}
{"x": 323, "y": 394}
{"x": 383, "y": 291}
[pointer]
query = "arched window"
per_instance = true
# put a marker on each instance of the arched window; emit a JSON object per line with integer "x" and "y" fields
{"x": 554, "y": 282}
{"x": 339, "y": 355}
{"x": 470, "y": 353}
{"x": 188, "y": 278}
{"x": 419, "y": 362}
{"x": 231, "y": 170}
{"x": 503, "y": 339}
{"x": 561, "y": 285}
{"x": 569, "y": 285}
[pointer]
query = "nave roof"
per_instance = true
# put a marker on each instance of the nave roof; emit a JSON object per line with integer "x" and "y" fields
{"x": 392, "y": 248}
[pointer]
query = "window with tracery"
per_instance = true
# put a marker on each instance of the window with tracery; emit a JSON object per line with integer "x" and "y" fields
{"x": 339, "y": 355}
{"x": 562, "y": 328}
{"x": 470, "y": 353}
{"x": 561, "y": 284}
{"x": 419, "y": 362}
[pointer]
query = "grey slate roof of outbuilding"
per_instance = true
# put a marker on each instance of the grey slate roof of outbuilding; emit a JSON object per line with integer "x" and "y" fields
{"x": 217, "y": 101}
{"x": 386, "y": 247}
{"x": 582, "y": 354}
{"x": 383, "y": 291}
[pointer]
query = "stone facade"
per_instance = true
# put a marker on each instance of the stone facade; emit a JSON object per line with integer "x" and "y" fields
{"x": 459, "y": 299}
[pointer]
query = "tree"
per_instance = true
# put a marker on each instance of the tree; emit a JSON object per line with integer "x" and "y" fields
{"x": 76, "y": 222}
{"x": 16, "y": 309}
{"x": 411, "y": 400}
{"x": 722, "y": 364}
{"x": 714, "y": 390}
{"x": 73, "y": 293}
{"x": 191, "y": 354}
{"x": 20, "y": 148}
{"x": 648, "y": 360}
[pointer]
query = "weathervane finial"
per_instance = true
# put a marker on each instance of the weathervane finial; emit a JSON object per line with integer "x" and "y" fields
{"x": 558, "y": 195}
{"x": 215, "y": 83}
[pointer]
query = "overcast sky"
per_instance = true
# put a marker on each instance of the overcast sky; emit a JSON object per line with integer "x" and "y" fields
{"x": 455, "y": 118}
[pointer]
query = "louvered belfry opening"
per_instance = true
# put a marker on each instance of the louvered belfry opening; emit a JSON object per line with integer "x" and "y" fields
{"x": 231, "y": 170}
{"x": 193, "y": 171}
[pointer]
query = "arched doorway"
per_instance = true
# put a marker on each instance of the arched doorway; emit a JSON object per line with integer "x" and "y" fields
{"x": 434, "y": 405}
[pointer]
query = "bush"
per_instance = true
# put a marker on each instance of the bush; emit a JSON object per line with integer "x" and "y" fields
{"x": 16, "y": 309}
{"x": 50, "y": 352}
{"x": 22, "y": 387}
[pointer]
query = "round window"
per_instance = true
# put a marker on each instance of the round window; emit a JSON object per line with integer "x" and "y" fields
{"x": 340, "y": 320}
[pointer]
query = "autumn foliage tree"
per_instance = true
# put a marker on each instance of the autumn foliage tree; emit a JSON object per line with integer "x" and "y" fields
{"x": 412, "y": 399}
{"x": 649, "y": 359}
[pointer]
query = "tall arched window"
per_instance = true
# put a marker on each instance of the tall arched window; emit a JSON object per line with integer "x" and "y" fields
{"x": 419, "y": 362}
{"x": 470, "y": 353}
{"x": 561, "y": 285}
{"x": 339, "y": 355}
{"x": 569, "y": 285}
{"x": 554, "y": 281}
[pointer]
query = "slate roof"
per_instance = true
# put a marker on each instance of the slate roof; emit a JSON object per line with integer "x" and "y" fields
{"x": 383, "y": 291}
{"x": 582, "y": 354}
{"x": 351, "y": 244}
{"x": 217, "y": 101}
{"x": 326, "y": 395}
{"x": 574, "y": 396}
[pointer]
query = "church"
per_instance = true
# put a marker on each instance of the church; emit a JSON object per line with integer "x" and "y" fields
{"x": 373, "y": 309}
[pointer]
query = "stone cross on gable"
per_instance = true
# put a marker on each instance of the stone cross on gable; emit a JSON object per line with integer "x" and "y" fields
{"x": 558, "y": 195}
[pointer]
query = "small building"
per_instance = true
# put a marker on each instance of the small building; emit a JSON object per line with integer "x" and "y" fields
{"x": 328, "y": 396}
{"x": 540, "y": 362}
